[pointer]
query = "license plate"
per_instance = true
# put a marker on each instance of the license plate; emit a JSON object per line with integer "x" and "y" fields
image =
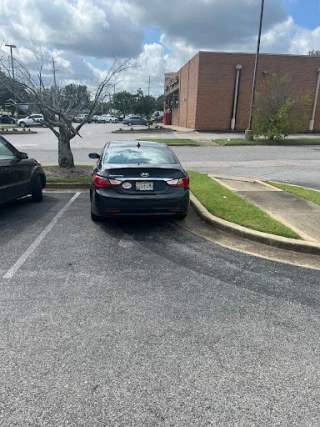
{"x": 144, "y": 186}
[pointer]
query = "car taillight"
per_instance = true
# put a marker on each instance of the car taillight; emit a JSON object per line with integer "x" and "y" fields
{"x": 102, "y": 182}
{"x": 180, "y": 182}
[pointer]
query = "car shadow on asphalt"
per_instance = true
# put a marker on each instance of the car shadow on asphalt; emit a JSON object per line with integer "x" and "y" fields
{"x": 140, "y": 227}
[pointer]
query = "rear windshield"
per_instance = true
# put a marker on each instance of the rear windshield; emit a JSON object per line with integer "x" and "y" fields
{"x": 139, "y": 156}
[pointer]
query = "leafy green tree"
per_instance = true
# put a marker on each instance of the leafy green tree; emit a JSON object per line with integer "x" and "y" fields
{"x": 123, "y": 102}
{"x": 79, "y": 94}
{"x": 159, "y": 106}
{"x": 103, "y": 108}
{"x": 314, "y": 53}
{"x": 279, "y": 109}
{"x": 146, "y": 105}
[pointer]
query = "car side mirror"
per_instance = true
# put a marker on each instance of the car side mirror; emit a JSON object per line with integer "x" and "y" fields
{"x": 23, "y": 156}
{"x": 94, "y": 156}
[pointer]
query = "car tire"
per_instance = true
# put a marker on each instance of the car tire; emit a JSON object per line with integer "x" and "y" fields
{"x": 22, "y": 124}
{"x": 146, "y": 124}
{"x": 181, "y": 216}
{"x": 110, "y": 121}
{"x": 95, "y": 218}
{"x": 129, "y": 124}
{"x": 12, "y": 122}
{"x": 37, "y": 190}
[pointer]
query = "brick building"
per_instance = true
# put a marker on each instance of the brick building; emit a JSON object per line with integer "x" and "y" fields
{"x": 213, "y": 90}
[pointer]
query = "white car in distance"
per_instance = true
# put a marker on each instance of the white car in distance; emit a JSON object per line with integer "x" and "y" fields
{"x": 107, "y": 118}
{"x": 32, "y": 120}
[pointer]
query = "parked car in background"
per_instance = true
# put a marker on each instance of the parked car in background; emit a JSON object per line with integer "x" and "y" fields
{"x": 114, "y": 120}
{"x": 107, "y": 118}
{"x": 136, "y": 120}
{"x": 32, "y": 120}
{"x": 157, "y": 116}
{"x": 95, "y": 118}
{"x": 19, "y": 175}
{"x": 134, "y": 178}
{"x": 79, "y": 118}
{"x": 6, "y": 118}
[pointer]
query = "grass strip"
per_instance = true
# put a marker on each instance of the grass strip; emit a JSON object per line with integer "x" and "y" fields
{"x": 225, "y": 204}
{"x": 71, "y": 180}
{"x": 287, "y": 141}
{"x": 76, "y": 166}
{"x": 312, "y": 196}
{"x": 170, "y": 141}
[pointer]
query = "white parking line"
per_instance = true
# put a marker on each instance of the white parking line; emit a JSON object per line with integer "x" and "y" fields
{"x": 10, "y": 273}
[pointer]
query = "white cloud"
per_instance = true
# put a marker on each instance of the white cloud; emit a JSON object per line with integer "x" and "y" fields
{"x": 84, "y": 35}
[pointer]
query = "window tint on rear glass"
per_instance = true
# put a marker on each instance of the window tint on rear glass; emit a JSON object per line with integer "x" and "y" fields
{"x": 138, "y": 156}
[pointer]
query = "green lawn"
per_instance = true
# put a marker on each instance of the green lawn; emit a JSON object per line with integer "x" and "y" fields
{"x": 170, "y": 141}
{"x": 286, "y": 141}
{"x": 227, "y": 205}
{"x": 81, "y": 180}
{"x": 312, "y": 196}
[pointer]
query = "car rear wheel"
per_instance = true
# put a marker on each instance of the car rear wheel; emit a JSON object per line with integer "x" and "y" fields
{"x": 95, "y": 218}
{"x": 37, "y": 190}
{"x": 22, "y": 124}
{"x": 130, "y": 124}
{"x": 181, "y": 216}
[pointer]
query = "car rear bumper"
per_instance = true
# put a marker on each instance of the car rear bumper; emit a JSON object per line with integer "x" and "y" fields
{"x": 112, "y": 204}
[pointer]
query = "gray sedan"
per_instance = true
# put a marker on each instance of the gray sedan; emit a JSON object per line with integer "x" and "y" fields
{"x": 136, "y": 120}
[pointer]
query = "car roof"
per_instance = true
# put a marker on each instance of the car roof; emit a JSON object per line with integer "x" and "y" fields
{"x": 134, "y": 143}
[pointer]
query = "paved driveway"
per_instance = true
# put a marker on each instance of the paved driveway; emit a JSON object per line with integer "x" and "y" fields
{"x": 296, "y": 165}
{"x": 142, "y": 323}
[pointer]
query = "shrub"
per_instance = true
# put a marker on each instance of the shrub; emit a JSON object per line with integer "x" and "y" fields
{"x": 279, "y": 109}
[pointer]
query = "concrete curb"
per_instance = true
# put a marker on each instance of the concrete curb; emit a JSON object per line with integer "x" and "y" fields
{"x": 257, "y": 236}
{"x": 221, "y": 224}
{"x": 17, "y": 132}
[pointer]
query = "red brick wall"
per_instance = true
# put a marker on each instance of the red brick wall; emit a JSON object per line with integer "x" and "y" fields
{"x": 209, "y": 95}
{"x": 185, "y": 114}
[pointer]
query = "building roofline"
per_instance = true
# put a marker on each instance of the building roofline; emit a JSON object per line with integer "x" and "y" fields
{"x": 253, "y": 54}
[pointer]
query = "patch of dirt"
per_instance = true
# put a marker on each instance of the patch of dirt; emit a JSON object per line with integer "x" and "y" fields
{"x": 132, "y": 130}
{"x": 76, "y": 172}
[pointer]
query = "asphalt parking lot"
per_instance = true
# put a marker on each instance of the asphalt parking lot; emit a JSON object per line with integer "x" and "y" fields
{"x": 142, "y": 323}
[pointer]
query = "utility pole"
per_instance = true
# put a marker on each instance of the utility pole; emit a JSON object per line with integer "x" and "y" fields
{"x": 149, "y": 85}
{"x": 12, "y": 46}
{"x": 249, "y": 131}
{"x": 110, "y": 101}
{"x": 54, "y": 72}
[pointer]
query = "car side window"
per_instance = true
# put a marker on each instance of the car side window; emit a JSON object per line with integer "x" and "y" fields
{"x": 5, "y": 153}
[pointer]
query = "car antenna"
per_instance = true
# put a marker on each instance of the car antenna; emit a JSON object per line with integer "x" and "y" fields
{"x": 138, "y": 145}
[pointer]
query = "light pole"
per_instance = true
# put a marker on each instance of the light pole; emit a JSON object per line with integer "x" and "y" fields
{"x": 249, "y": 131}
{"x": 12, "y": 46}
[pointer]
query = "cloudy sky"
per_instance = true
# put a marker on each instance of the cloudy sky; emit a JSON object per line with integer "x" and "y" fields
{"x": 83, "y": 36}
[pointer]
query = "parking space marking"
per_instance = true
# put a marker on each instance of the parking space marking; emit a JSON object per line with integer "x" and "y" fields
{"x": 10, "y": 273}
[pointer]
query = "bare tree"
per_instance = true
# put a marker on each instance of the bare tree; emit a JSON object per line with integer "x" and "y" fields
{"x": 51, "y": 100}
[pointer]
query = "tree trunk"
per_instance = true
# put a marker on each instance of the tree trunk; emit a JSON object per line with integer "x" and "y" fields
{"x": 65, "y": 156}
